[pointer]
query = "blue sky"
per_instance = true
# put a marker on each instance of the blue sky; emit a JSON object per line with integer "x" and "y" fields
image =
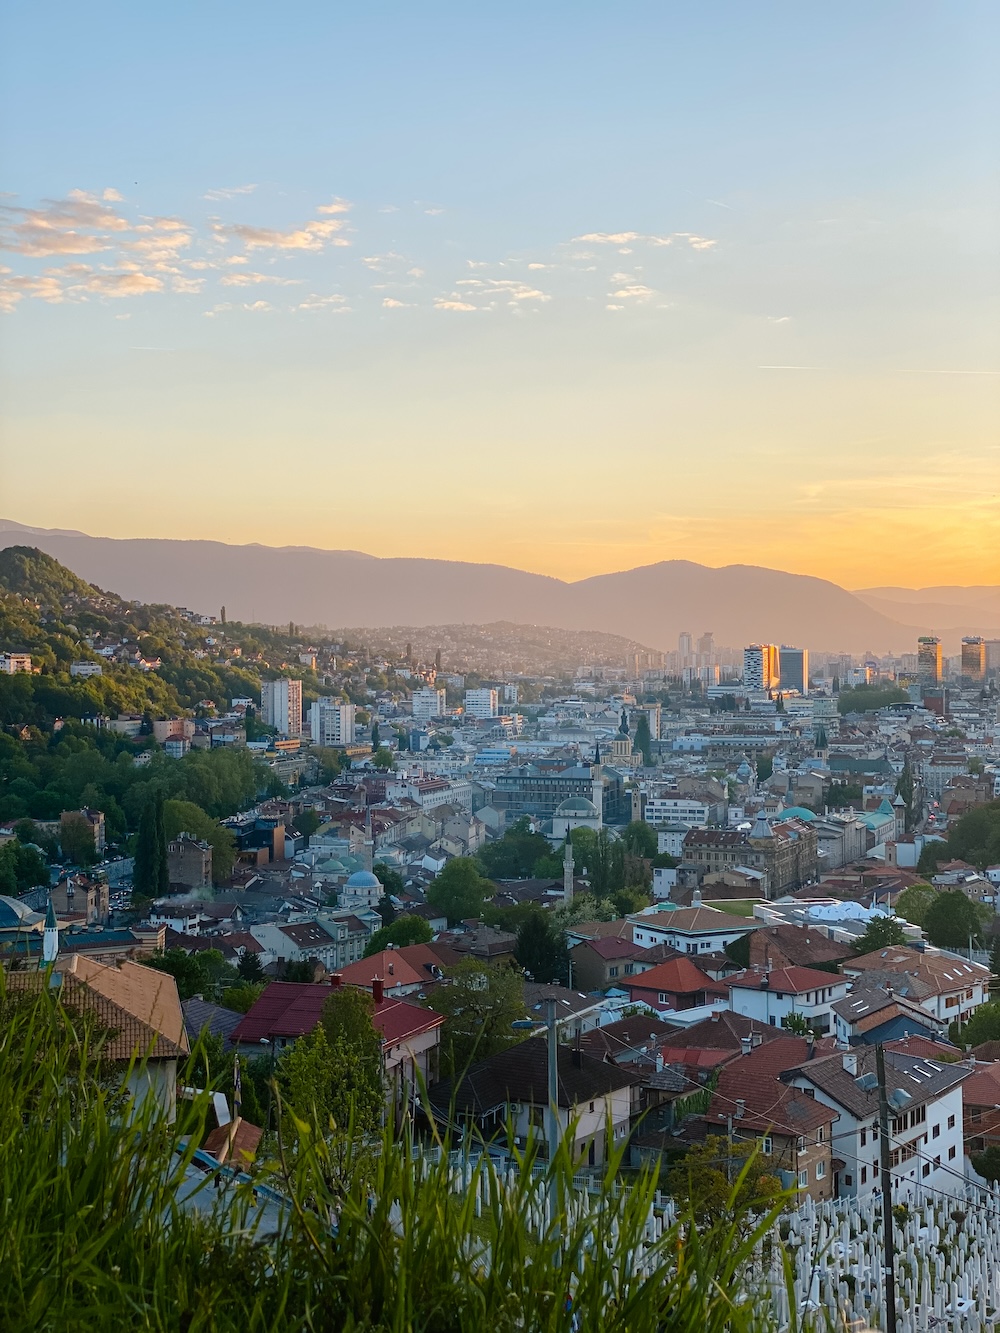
{"x": 572, "y": 289}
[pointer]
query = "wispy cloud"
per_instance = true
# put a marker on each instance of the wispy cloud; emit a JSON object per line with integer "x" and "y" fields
{"x": 77, "y": 225}
{"x": 337, "y": 206}
{"x": 230, "y": 193}
{"x": 250, "y": 279}
{"x": 628, "y": 238}
{"x": 390, "y": 303}
{"x": 312, "y": 236}
{"x": 335, "y": 303}
{"x": 442, "y": 304}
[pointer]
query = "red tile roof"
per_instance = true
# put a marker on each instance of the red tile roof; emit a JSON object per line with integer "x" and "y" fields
{"x": 292, "y": 1008}
{"x": 787, "y": 980}
{"x": 679, "y": 976}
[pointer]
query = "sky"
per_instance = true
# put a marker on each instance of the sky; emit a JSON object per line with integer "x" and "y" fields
{"x": 570, "y": 287}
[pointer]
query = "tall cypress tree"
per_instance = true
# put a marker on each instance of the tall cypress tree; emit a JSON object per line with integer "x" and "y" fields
{"x": 162, "y": 873}
{"x": 149, "y": 876}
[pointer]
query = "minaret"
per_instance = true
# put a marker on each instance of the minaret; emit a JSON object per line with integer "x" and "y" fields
{"x": 368, "y": 856}
{"x": 50, "y": 939}
{"x": 568, "y": 872}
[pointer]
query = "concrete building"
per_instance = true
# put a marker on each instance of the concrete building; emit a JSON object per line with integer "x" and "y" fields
{"x": 189, "y": 862}
{"x": 332, "y": 722}
{"x": 974, "y": 658}
{"x": 929, "y": 659}
{"x": 481, "y": 703}
{"x": 83, "y": 669}
{"x": 772, "y": 996}
{"x": 793, "y": 666}
{"x": 428, "y": 704}
{"x": 761, "y": 666}
{"x": 281, "y": 706}
{"x": 12, "y": 663}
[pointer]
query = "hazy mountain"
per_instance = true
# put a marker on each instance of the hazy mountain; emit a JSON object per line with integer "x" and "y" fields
{"x": 652, "y": 604}
{"x": 949, "y": 611}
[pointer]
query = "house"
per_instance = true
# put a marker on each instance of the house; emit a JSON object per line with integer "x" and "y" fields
{"x": 927, "y": 1134}
{"x": 690, "y": 930}
{"x": 773, "y": 996}
{"x": 981, "y": 1108}
{"x": 793, "y": 1129}
{"x": 93, "y": 819}
{"x": 335, "y": 942}
{"x": 201, "y": 1016}
{"x": 627, "y": 1040}
{"x": 868, "y": 1015}
{"x": 950, "y": 988}
{"x": 406, "y": 971}
{"x": 595, "y": 1098}
{"x": 139, "y": 1010}
{"x": 576, "y": 1013}
{"x": 606, "y": 961}
{"x": 79, "y": 896}
{"x": 287, "y": 1010}
{"x": 674, "y": 985}
{"x": 795, "y": 946}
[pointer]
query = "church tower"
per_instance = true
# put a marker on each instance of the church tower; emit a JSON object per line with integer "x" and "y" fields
{"x": 568, "y": 872}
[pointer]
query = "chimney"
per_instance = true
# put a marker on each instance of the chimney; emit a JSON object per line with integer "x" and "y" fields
{"x": 741, "y": 1107}
{"x": 378, "y": 990}
{"x": 757, "y": 1038}
{"x": 336, "y": 980}
{"x": 746, "y": 1045}
{"x": 850, "y": 1063}
{"x": 392, "y": 968}
{"x": 577, "y": 1057}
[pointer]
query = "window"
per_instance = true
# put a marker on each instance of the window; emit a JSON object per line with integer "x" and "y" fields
{"x": 821, "y": 1134}
{"x": 820, "y": 1170}
{"x": 766, "y": 1145}
{"x": 951, "y": 1122}
{"x": 927, "y": 1169}
{"x": 936, "y": 1132}
{"x": 864, "y": 1174}
{"x": 663, "y": 997}
{"x": 800, "y": 1145}
{"x": 773, "y": 1022}
{"x": 803, "y": 1179}
{"x": 629, "y": 969}
{"x": 951, "y": 1001}
{"x": 864, "y": 1138}
{"x": 951, "y": 1153}
{"x": 612, "y": 971}
{"x": 848, "y": 1180}
{"x": 591, "y": 1105}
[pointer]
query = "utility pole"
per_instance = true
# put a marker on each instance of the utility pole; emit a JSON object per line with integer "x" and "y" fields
{"x": 554, "y": 1126}
{"x": 885, "y": 1154}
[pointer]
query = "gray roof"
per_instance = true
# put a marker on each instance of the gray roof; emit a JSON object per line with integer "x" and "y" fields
{"x": 200, "y": 1014}
{"x": 922, "y": 1079}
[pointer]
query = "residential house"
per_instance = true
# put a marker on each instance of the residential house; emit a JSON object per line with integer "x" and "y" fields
{"x": 796, "y": 946}
{"x": 773, "y": 996}
{"x": 189, "y": 862}
{"x": 981, "y": 1108}
{"x": 595, "y": 1098}
{"x": 869, "y": 1014}
{"x": 675, "y": 985}
{"x": 927, "y": 1133}
{"x": 406, "y": 971}
{"x": 609, "y": 960}
{"x": 690, "y": 930}
{"x": 288, "y": 1010}
{"x": 952, "y": 989}
{"x": 80, "y": 896}
{"x": 793, "y": 1129}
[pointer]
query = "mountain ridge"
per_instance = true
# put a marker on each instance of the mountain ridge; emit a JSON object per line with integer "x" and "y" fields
{"x": 651, "y": 603}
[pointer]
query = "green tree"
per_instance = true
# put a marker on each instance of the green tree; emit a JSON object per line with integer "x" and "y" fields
{"x": 249, "y": 968}
{"x": 912, "y": 903}
{"x": 516, "y": 854}
{"x": 882, "y": 932}
{"x": 335, "y": 1072}
{"x": 643, "y": 741}
{"x": 382, "y": 759}
{"x": 984, "y": 1025}
{"x": 149, "y": 875}
{"x": 403, "y": 931}
{"x": 869, "y": 698}
{"x": 479, "y": 1007}
{"x": 541, "y": 948}
{"x": 797, "y": 1024}
{"x": 76, "y": 837}
{"x": 987, "y": 1163}
{"x": 375, "y": 737}
{"x": 639, "y": 839}
{"x": 390, "y": 878}
{"x": 459, "y": 890}
{"x": 184, "y": 969}
{"x": 307, "y": 822}
{"x": 952, "y": 920}
{"x": 21, "y": 867}
{"x": 701, "y": 1179}
{"x": 243, "y": 997}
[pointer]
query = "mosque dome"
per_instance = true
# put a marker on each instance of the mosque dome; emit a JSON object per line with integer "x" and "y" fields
{"x": 578, "y": 806}
{"x": 363, "y": 879}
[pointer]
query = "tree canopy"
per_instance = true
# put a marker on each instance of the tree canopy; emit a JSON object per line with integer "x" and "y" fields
{"x": 952, "y": 920}
{"x": 479, "y": 1007}
{"x": 459, "y": 890}
{"x": 912, "y": 903}
{"x": 882, "y": 932}
{"x": 404, "y": 930}
{"x": 541, "y": 947}
{"x": 516, "y": 854}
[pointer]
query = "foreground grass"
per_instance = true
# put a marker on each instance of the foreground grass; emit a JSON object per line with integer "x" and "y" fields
{"x": 93, "y": 1235}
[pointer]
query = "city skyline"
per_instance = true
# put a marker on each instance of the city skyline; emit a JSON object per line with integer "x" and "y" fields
{"x": 693, "y": 274}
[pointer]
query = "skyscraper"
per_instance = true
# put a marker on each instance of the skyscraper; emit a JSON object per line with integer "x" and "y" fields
{"x": 761, "y": 666}
{"x": 685, "y": 647}
{"x": 706, "y": 649}
{"x": 281, "y": 706}
{"x": 929, "y": 660}
{"x": 331, "y": 722}
{"x": 974, "y": 657}
{"x": 794, "y": 668}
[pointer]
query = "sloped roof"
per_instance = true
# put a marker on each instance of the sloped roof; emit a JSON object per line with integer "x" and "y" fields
{"x": 940, "y": 972}
{"x": 520, "y": 1074}
{"x": 694, "y": 921}
{"x": 200, "y": 1014}
{"x": 678, "y": 976}
{"x": 290, "y": 1009}
{"x": 922, "y": 1078}
{"x": 786, "y": 980}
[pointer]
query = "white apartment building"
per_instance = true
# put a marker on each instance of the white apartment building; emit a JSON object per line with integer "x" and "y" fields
{"x": 761, "y": 666}
{"x": 661, "y": 810}
{"x": 428, "y": 704}
{"x": 332, "y": 722}
{"x": 926, "y": 1132}
{"x": 481, "y": 703}
{"x": 281, "y": 706}
{"x": 771, "y": 997}
{"x": 81, "y": 670}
